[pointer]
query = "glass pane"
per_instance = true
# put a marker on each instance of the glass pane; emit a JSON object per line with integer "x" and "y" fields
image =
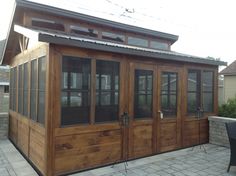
{"x": 84, "y": 31}
{"x": 173, "y": 82}
{"x": 64, "y": 99}
{"x": 137, "y": 41}
{"x": 25, "y": 104}
{"x": 113, "y": 37}
{"x": 26, "y": 88}
{"x": 20, "y": 89}
{"x": 192, "y": 81}
{"x": 143, "y": 94}
{"x": 33, "y": 74}
{"x": 207, "y": 79}
{"x": 41, "y": 107}
{"x": 14, "y": 88}
{"x": 42, "y": 73}
{"x": 208, "y": 102}
{"x": 107, "y": 87}
{"x": 192, "y": 102}
{"x": 164, "y": 81}
{"x": 33, "y": 114}
{"x": 159, "y": 45}
{"x": 75, "y": 84}
{"x": 169, "y": 94}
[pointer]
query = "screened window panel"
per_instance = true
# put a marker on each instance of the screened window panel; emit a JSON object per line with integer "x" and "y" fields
{"x": 194, "y": 91}
{"x": 41, "y": 89}
{"x": 25, "y": 90}
{"x": 107, "y": 91}
{"x": 75, "y": 90}
{"x": 14, "y": 88}
{"x": 159, "y": 45}
{"x": 20, "y": 89}
{"x": 33, "y": 90}
{"x": 169, "y": 94}
{"x": 11, "y": 88}
{"x": 143, "y": 94}
{"x": 208, "y": 81}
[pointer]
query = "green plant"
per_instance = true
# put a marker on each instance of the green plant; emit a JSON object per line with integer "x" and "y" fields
{"x": 228, "y": 109}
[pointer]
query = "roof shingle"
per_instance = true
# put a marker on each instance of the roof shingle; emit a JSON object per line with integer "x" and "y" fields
{"x": 230, "y": 70}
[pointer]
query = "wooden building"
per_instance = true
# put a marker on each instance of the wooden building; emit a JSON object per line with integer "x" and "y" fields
{"x": 87, "y": 92}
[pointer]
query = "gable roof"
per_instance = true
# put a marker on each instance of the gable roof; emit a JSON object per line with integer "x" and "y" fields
{"x": 230, "y": 70}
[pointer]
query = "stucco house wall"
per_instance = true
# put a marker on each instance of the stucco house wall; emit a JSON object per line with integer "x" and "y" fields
{"x": 229, "y": 87}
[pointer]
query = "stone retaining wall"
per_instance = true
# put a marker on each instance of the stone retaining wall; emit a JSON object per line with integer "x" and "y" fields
{"x": 3, "y": 125}
{"x": 217, "y": 130}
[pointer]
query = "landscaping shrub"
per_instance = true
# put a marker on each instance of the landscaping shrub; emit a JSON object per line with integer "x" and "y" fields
{"x": 228, "y": 109}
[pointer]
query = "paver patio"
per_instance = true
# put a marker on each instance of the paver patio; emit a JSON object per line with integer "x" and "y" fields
{"x": 186, "y": 162}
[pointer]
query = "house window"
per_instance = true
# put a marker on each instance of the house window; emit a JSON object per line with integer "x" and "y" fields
{"x": 137, "y": 41}
{"x": 84, "y": 31}
{"x": 20, "y": 89}
{"x": 169, "y": 94}
{"x": 25, "y": 90}
{"x": 41, "y": 89}
{"x": 75, "y": 90}
{"x": 6, "y": 89}
{"x": 33, "y": 90}
{"x": 143, "y": 93}
{"x": 47, "y": 24}
{"x": 200, "y": 91}
{"x": 113, "y": 37}
{"x": 107, "y": 91}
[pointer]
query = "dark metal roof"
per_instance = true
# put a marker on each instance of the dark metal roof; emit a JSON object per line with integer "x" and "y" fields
{"x": 64, "y": 39}
{"x": 230, "y": 70}
{"x": 71, "y": 14}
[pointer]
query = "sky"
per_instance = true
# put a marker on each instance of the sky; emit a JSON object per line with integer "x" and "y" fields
{"x": 205, "y": 27}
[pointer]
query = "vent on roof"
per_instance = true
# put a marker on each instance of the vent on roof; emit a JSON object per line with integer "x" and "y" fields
{"x": 47, "y": 24}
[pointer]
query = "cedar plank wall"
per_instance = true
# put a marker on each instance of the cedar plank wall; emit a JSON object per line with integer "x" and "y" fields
{"x": 85, "y": 147}
{"x": 27, "y": 135}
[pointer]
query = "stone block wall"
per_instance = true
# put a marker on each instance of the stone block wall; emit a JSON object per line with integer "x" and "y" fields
{"x": 3, "y": 125}
{"x": 4, "y": 100}
{"x": 217, "y": 130}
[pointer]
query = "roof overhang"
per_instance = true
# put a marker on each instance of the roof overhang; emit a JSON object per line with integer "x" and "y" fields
{"x": 68, "y": 40}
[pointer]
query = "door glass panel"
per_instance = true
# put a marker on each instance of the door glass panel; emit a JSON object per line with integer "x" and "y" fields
{"x": 207, "y": 81}
{"x": 143, "y": 92}
{"x": 169, "y": 94}
{"x": 75, "y": 90}
{"x": 107, "y": 91}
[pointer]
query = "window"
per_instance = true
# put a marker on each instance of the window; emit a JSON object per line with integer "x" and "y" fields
{"x": 194, "y": 86}
{"x": 41, "y": 89}
{"x": 159, "y": 45}
{"x": 137, "y": 41}
{"x": 200, "y": 91}
{"x": 6, "y": 89}
{"x": 14, "y": 88}
{"x": 47, "y": 24}
{"x": 84, "y": 31}
{"x": 11, "y": 87}
{"x": 25, "y": 90}
{"x": 113, "y": 37}
{"x": 107, "y": 91}
{"x": 169, "y": 94}
{"x": 33, "y": 90}
{"x": 75, "y": 90}
{"x": 207, "y": 81}
{"x": 143, "y": 92}
{"x": 20, "y": 89}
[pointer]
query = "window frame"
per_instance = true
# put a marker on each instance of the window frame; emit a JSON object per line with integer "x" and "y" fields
{"x": 200, "y": 96}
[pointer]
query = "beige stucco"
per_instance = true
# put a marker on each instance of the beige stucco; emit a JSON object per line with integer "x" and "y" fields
{"x": 229, "y": 87}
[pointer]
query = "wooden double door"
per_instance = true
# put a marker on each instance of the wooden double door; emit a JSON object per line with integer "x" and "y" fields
{"x": 151, "y": 120}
